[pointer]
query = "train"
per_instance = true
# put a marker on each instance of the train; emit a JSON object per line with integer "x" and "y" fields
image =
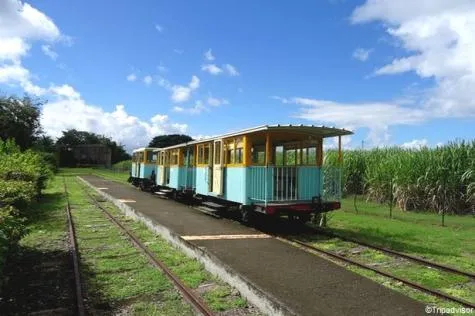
{"x": 276, "y": 170}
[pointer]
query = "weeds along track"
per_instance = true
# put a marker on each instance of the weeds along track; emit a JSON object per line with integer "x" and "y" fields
{"x": 74, "y": 256}
{"x": 119, "y": 273}
{"x": 399, "y": 254}
{"x": 368, "y": 257}
{"x": 194, "y": 300}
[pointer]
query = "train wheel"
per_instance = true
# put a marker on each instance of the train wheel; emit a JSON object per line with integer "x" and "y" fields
{"x": 246, "y": 214}
{"x": 175, "y": 195}
{"x": 303, "y": 218}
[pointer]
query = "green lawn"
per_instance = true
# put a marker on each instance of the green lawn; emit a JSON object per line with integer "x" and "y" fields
{"x": 412, "y": 232}
{"x": 119, "y": 176}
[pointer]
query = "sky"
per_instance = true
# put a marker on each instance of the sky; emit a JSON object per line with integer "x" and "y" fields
{"x": 397, "y": 73}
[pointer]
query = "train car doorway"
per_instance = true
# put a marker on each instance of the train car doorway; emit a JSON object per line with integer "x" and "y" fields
{"x": 164, "y": 167}
{"x": 217, "y": 173}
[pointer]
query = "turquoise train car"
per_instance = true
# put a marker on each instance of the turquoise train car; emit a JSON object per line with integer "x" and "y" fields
{"x": 270, "y": 169}
{"x": 142, "y": 172}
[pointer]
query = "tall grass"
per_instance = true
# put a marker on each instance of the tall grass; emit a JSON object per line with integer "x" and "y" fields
{"x": 441, "y": 179}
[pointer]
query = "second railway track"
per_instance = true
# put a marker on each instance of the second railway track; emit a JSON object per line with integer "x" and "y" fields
{"x": 406, "y": 282}
{"x": 194, "y": 300}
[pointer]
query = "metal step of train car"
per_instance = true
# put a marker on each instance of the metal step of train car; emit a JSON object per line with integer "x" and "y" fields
{"x": 163, "y": 193}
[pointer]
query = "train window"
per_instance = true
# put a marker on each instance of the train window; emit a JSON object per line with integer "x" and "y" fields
{"x": 189, "y": 157}
{"x": 203, "y": 154}
{"x": 217, "y": 153}
{"x": 238, "y": 155}
{"x": 230, "y": 155}
{"x": 174, "y": 157}
{"x": 206, "y": 155}
{"x": 149, "y": 156}
{"x": 258, "y": 154}
{"x": 312, "y": 155}
{"x": 140, "y": 156}
{"x": 290, "y": 157}
{"x": 154, "y": 157}
{"x": 279, "y": 155}
{"x": 303, "y": 156}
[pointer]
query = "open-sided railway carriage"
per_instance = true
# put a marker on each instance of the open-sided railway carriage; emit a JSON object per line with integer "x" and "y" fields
{"x": 272, "y": 170}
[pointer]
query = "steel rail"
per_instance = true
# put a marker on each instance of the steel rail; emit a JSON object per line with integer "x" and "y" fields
{"x": 381, "y": 272}
{"x": 74, "y": 254}
{"x": 397, "y": 253}
{"x": 187, "y": 293}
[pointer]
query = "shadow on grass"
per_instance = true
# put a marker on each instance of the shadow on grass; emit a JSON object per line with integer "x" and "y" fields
{"x": 39, "y": 281}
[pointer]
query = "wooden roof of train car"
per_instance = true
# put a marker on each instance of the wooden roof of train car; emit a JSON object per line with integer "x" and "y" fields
{"x": 322, "y": 131}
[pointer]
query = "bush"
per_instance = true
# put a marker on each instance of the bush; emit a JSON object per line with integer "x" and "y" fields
{"x": 12, "y": 228}
{"x": 124, "y": 165}
{"x": 22, "y": 177}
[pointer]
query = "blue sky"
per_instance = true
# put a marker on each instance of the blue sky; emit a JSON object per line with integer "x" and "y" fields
{"x": 394, "y": 72}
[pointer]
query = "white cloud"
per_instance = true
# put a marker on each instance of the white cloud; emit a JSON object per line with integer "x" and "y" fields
{"x": 178, "y": 51}
{"x": 68, "y": 110}
{"x": 65, "y": 91}
{"x": 212, "y": 69}
{"x": 375, "y": 116}
{"x": 13, "y": 73}
{"x": 209, "y": 55}
{"x": 132, "y": 77}
{"x": 148, "y": 80}
{"x": 439, "y": 37}
{"x": 216, "y": 102}
{"x": 183, "y": 93}
{"x": 12, "y": 48}
{"x": 362, "y": 54}
{"x": 194, "y": 83}
{"x": 415, "y": 144}
{"x": 21, "y": 20}
{"x": 20, "y": 24}
{"x": 215, "y": 70}
{"x": 164, "y": 83}
{"x": 232, "y": 71}
{"x": 159, "y": 28}
{"x": 49, "y": 52}
{"x": 196, "y": 109}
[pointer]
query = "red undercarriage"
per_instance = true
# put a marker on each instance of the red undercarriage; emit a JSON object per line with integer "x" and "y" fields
{"x": 302, "y": 208}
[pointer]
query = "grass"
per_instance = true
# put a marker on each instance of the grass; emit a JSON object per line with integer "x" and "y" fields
{"x": 218, "y": 295}
{"x": 418, "y": 234}
{"x": 115, "y": 272}
{"x": 119, "y": 176}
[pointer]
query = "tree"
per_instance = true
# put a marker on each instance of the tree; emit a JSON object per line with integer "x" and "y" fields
{"x": 169, "y": 140}
{"x": 44, "y": 143}
{"x": 20, "y": 120}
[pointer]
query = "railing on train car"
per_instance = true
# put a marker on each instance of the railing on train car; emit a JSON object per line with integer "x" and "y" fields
{"x": 277, "y": 184}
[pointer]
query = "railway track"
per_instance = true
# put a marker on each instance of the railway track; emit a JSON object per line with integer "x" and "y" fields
{"x": 80, "y": 310}
{"x": 194, "y": 300}
{"x": 398, "y": 254}
{"x": 407, "y": 282}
